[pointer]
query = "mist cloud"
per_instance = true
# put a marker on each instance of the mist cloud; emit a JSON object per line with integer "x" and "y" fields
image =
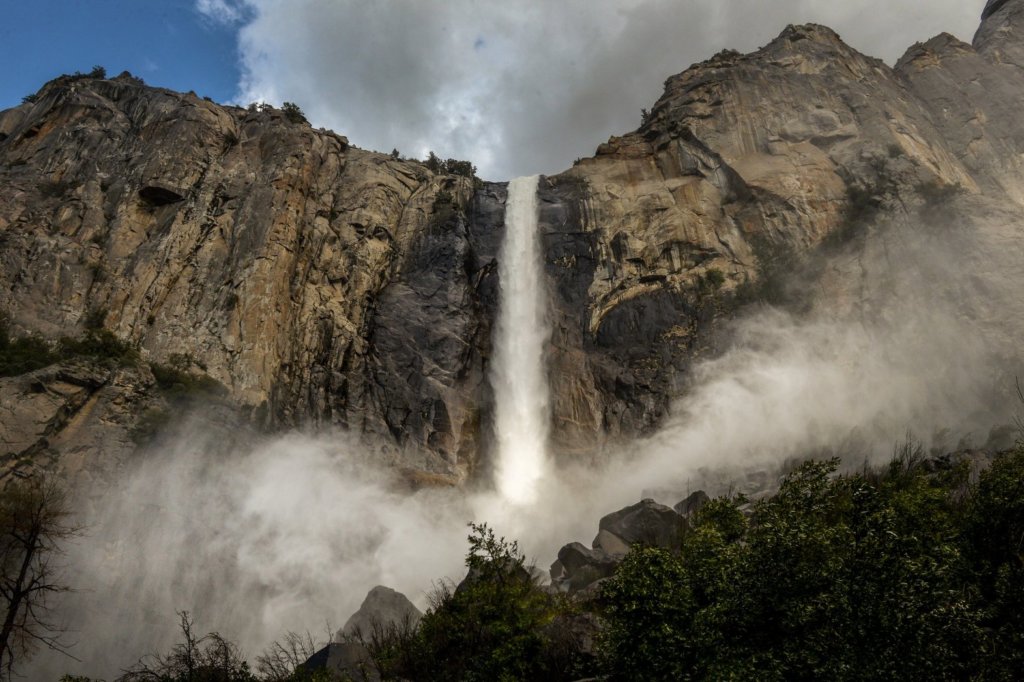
{"x": 292, "y": 531}
{"x": 522, "y": 87}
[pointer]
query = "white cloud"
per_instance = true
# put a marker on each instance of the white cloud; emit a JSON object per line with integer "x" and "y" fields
{"x": 221, "y": 11}
{"x": 523, "y": 86}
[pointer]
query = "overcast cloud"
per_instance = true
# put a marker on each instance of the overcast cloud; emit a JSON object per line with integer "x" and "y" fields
{"x": 522, "y": 86}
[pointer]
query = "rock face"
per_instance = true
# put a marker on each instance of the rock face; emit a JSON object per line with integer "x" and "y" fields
{"x": 328, "y": 285}
{"x": 320, "y": 283}
{"x": 75, "y": 417}
{"x": 382, "y": 608}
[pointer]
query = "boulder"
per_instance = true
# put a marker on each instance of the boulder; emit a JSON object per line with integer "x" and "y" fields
{"x": 647, "y": 522}
{"x": 382, "y": 607}
{"x": 692, "y": 504}
{"x": 348, "y": 660}
{"x": 581, "y": 566}
{"x": 609, "y": 542}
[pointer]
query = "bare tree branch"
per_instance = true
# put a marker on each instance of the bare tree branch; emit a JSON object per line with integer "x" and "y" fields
{"x": 34, "y": 523}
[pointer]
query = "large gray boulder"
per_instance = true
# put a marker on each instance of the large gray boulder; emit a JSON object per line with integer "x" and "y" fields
{"x": 646, "y": 522}
{"x": 382, "y": 608}
{"x": 692, "y": 504}
{"x": 578, "y": 566}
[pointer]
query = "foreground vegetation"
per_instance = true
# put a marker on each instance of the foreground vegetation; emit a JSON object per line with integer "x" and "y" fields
{"x": 912, "y": 572}
{"x": 909, "y": 573}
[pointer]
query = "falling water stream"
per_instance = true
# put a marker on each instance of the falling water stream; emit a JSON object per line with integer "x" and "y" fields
{"x": 519, "y": 375}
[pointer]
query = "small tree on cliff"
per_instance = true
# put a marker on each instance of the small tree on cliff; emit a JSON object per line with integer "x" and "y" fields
{"x": 34, "y": 524}
{"x": 293, "y": 113}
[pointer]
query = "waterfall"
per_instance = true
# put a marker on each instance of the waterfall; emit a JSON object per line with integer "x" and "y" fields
{"x": 518, "y": 372}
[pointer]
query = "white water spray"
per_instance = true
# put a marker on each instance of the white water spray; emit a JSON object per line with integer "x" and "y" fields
{"x": 518, "y": 375}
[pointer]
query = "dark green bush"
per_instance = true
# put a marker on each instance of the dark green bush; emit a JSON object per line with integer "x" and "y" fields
{"x": 710, "y": 282}
{"x": 452, "y": 166}
{"x": 23, "y": 354}
{"x": 100, "y": 345}
{"x": 293, "y": 113}
{"x": 498, "y": 624}
{"x": 443, "y": 198}
{"x": 899, "y": 574}
{"x": 181, "y": 384}
{"x": 777, "y": 263}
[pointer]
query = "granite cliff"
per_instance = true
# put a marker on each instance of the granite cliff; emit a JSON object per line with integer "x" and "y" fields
{"x": 326, "y": 285}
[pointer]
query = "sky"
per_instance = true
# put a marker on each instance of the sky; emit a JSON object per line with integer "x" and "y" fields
{"x": 516, "y": 86}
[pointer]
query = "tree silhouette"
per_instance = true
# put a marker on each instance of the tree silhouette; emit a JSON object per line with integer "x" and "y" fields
{"x": 34, "y": 523}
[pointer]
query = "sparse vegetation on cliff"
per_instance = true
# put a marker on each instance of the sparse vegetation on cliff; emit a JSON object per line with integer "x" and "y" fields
{"x": 293, "y": 113}
{"x": 450, "y": 166}
{"x": 22, "y": 354}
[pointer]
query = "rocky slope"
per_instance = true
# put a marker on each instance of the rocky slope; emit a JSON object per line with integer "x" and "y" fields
{"x": 328, "y": 285}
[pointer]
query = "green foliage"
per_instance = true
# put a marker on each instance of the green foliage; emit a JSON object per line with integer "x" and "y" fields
{"x": 293, "y": 113}
{"x": 648, "y": 601}
{"x": 488, "y": 628}
{"x": 498, "y": 624}
{"x": 180, "y": 384}
{"x": 29, "y": 353}
{"x": 99, "y": 345}
{"x": 710, "y": 282}
{"x": 451, "y": 166}
{"x": 96, "y": 72}
{"x": 433, "y": 163}
{"x": 863, "y": 204}
{"x": 776, "y": 264}
{"x": 842, "y": 578}
{"x": 456, "y": 167}
{"x": 30, "y": 99}
{"x": 22, "y": 354}
{"x": 995, "y": 545}
{"x": 442, "y": 199}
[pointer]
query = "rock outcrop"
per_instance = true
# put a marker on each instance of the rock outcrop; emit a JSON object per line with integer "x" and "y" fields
{"x": 646, "y": 523}
{"x": 318, "y": 282}
{"x": 324, "y": 284}
{"x": 383, "y": 608}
